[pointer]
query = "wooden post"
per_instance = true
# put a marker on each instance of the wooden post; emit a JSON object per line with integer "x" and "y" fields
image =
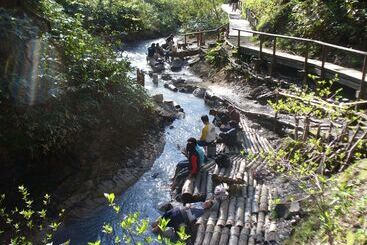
{"x": 202, "y": 38}
{"x": 239, "y": 39}
{"x": 324, "y": 50}
{"x": 362, "y": 88}
{"x": 261, "y": 47}
{"x": 185, "y": 40}
{"x": 306, "y": 128}
{"x": 198, "y": 39}
{"x": 305, "y": 65}
{"x": 274, "y": 57}
{"x": 296, "y": 119}
{"x": 276, "y": 101}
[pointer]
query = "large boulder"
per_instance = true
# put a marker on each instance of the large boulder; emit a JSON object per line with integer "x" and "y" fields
{"x": 158, "y": 98}
{"x": 199, "y": 92}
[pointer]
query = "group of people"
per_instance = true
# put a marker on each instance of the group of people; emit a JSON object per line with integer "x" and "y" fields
{"x": 159, "y": 52}
{"x": 228, "y": 124}
{"x": 234, "y": 4}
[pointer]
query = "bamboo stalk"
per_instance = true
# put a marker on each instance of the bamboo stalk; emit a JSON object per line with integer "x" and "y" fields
{"x": 196, "y": 192}
{"x": 251, "y": 240}
{"x": 260, "y": 227}
{"x": 225, "y": 235}
{"x": 209, "y": 186}
{"x": 223, "y": 213}
{"x": 200, "y": 235}
{"x": 240, "y": 209}
{"x": 187, "y": 189}
{"x": 216, "y": 235}
{"x": 235, "y": 233}
{"x": 264, "y": 199}
{"x": 241, "y": 169}
{"x": 212, "y": 220}
{"x": 256, "y": 200}
{"x": 244, "y": 235}
{"x": 208, "y": 234}
{"x": 203, "y": 184}
{"x": 231, "y": 211}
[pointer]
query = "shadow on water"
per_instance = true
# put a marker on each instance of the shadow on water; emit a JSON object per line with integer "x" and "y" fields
{"x": 153, "y": 187}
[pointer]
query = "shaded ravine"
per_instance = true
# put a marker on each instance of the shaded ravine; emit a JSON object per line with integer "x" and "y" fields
{"x": 153, "y": 187}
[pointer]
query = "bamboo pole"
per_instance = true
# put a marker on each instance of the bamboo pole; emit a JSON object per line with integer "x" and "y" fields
{"x": 208, "y": 234}
{"x": 231, "y": 211}
{"x": 187, "y": 189}
{"x": 240, "y": 209}
{"x": 196, "y": 192}
{"x": 251, "y": 240}
{"x": 260, "y": 227}
{"x": 209, "y": 186}
{"x": 264, "y": 199}
{"x": 223, "y": 213}
{"x": 235, "y": 233}
{"x": 203, "y": 184}
{"x": 216, "y": 235}
{"x": 256, "y": 200}
{"x": 225, "y": 235}
{"x": 200, "y": 235}
{"x": 244, "y": 235}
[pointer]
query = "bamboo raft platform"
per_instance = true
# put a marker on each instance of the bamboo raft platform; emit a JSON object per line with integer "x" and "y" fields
{"x": 244, "y": 217}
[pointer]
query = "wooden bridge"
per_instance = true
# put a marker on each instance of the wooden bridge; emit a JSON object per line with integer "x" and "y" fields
{"x": 239, "y": 34}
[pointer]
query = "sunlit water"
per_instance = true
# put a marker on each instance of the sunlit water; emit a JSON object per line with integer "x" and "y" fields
{"x": 148, "y": 192}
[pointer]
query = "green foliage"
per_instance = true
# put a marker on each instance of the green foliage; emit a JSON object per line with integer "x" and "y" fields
{"x": 146, "y": 18}
{"x": 94, "y": 92}
{"x": 20, "y": 223}
{"x": 312, "y": 162}
{"x": 135, "y": 230}
{"x": 217, "y": 56}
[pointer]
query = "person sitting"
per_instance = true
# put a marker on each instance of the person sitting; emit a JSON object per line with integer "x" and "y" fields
{"x": 208, "y": 134}
{"x": 187, "y": 168}
{"x": 229, "y": 137}
{"x": 151, "y": 51}
{"x": 199, "y": 151}
{"x": 233, "y": 114}
{"x": 220, "y": 118}
{"x": 169, "y": 39}
{"x": 182, "y": 216}
{"x": 159, "y": 50}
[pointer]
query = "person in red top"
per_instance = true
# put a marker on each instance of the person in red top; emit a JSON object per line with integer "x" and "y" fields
{"x": 194, "y": 160}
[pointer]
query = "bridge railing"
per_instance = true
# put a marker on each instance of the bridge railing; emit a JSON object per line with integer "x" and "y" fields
{"x": 325, "y": 50}
{"x": 200, "y": 35}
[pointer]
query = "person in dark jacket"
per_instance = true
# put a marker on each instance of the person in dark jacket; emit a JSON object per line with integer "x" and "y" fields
{"x": 220, "y": 118}
{"x": 151, "y": 50}
{"x": 229, "y": 137}
{"x": 183, "y": 216}
{"x": 233, "y": 114}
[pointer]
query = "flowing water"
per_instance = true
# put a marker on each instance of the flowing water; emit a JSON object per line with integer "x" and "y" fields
{"x": 153, "y": 187}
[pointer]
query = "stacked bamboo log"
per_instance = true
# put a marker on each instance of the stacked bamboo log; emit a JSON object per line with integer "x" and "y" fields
{"x": 234, "y": 174}
{"x": 252, "y": 142}
{"x": 243, "y": 218}
{"x": 195, "y": 188}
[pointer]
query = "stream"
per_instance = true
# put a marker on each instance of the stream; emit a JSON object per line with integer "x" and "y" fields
{"x": 153, "y": 186}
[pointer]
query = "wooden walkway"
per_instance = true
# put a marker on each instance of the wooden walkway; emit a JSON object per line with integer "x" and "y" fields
{"x": 240, "y": 34}
{"x": 235, "y": 21}
{"x": 347, "y": 76}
